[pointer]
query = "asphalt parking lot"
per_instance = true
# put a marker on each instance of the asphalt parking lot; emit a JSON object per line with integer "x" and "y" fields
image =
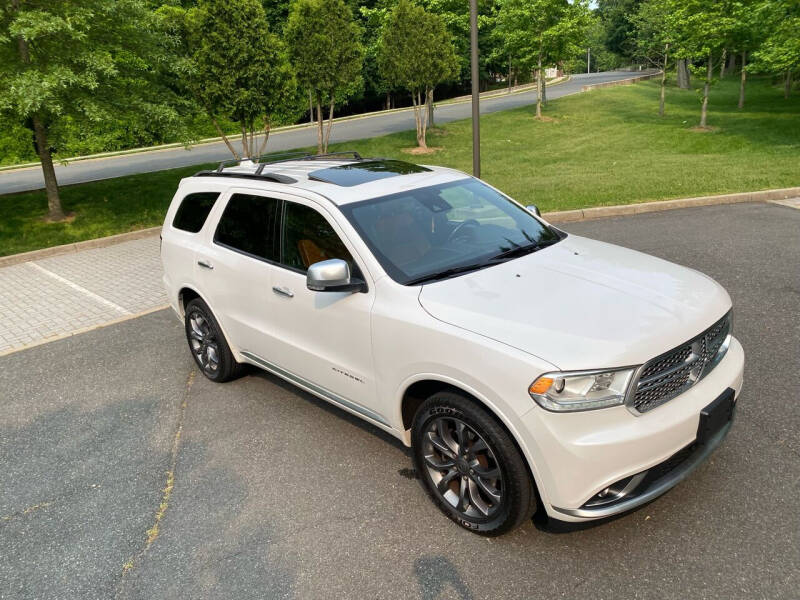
{"x": 125, "y": 476}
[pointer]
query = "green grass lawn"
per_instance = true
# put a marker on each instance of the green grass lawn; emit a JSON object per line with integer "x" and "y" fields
{"x": 605, "y": 147}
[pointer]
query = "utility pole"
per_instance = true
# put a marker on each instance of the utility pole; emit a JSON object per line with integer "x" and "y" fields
{"x": 476, "y": 92}
{"x": 588, "y": 60}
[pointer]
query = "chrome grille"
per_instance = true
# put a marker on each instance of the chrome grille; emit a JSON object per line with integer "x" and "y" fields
{"x": 672, "y": 373}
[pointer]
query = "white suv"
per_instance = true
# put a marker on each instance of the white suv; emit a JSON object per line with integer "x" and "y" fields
{"x": 527, "y": 368}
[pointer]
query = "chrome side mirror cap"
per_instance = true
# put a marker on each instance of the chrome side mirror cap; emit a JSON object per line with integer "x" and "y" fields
{"x": 534, "y": 209}
{"x": 332, "y": 276}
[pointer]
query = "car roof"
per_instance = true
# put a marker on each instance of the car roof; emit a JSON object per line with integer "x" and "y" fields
{"x": 342, "y": 180}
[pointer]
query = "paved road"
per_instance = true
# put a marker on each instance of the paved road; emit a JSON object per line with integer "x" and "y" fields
{"x": 279, "y": 495}
{"x": 381, "y": 124}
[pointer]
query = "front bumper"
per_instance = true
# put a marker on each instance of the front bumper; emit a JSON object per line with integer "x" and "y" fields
{"x": 576, "y": 455}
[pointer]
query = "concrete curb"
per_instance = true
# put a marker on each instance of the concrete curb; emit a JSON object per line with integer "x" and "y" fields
{"x": 599, "y": 212}
{"x": 102, "y": 242}
{"x": 630, "y": 81}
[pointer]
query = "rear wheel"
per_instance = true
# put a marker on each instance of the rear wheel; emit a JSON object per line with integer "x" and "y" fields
{"x": 207, "y": 344}
{"x": 470, "y": 466}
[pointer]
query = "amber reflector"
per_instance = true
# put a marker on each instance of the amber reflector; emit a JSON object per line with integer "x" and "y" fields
{"x": 541, "y": 385}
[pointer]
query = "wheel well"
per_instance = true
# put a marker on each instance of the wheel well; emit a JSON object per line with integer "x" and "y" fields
{"x": 185, "y": 296}
{"x": 420, "y": 391}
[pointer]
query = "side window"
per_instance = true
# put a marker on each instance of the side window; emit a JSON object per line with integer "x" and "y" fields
{"x": 193, "y": 211}
{"x": 248, "y": 225}
{"x": 308, "y": 238}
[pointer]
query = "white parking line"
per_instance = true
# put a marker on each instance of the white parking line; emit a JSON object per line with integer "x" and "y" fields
{"x": 80, "y": 289}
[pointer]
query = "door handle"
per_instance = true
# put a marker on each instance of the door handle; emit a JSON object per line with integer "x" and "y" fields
{"x": 205, "y": 264}
{"x": 283, "y": 291}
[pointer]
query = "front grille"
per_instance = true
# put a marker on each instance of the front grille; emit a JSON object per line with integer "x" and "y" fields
{"x": 672, "y": 373}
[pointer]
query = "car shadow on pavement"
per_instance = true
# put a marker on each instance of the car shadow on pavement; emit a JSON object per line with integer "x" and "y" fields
{"x": 330, "y": 409}
{"x": 437, "y": 575}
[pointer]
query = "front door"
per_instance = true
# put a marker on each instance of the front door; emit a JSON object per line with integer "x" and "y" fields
{"x": 322, "y": 337}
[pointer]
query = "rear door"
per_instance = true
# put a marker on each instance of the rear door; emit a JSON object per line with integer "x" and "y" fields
{"x": 234, "y": 270}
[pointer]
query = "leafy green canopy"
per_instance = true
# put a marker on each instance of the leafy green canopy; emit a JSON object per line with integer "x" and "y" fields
{"x": 415, "y": 51}
{"x": 780, "y": 50}
{"x": 324, "y": 47}
{"x": 239, "y": 69}
{"x": 89, "y": 61}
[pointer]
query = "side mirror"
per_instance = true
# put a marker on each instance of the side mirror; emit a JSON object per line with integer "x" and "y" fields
{"x": 332, "y": 276}
{"x": 534, "y": 209}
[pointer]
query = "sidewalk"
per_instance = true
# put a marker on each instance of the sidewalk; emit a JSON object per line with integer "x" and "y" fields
{"x": 63, "y": 295}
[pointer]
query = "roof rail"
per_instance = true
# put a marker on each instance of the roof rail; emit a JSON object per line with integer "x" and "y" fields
{"x": 269, "y": 159}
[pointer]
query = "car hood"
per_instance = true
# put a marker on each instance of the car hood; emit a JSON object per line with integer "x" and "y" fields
{"x": 581, "y": 304}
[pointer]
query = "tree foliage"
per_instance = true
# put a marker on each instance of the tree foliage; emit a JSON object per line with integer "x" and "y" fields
{"x": 237, "y": 68}
{"x": 85, "y": 61}
{"x": 325, "y": 49}
{"x": 415, "y": 53}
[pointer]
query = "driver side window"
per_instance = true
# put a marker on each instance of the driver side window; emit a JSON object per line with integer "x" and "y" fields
{"x": 308, "y": 238}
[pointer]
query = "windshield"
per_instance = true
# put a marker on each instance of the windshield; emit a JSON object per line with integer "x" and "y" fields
{"x": 429, "y": 233}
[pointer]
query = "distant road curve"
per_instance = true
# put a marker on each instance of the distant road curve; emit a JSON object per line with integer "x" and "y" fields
{"x": 23, "y": 180}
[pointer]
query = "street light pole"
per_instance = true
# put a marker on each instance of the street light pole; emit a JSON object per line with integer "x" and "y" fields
{"x": 588, "y": 60}
{"x": 476, "y": 111}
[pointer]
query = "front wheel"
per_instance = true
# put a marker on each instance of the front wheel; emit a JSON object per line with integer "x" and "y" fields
{"x": 470, "y": 466}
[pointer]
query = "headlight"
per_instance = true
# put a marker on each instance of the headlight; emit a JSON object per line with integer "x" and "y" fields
{"x": 581, "y": 390}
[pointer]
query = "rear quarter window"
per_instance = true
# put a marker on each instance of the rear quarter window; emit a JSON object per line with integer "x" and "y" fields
{"x": 193, "y": 211}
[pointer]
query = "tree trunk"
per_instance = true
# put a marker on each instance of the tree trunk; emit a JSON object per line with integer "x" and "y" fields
{"x": 429, "y": 105}
{"x": 245, "y": 145}
{"x": 683, "y": 74}
{"x": 330, "y": 124}
{"x": 422, "y": 142}
{"x": 744, "y": 78}
{"x": 310, "y": 107}
{"x": 704, "y": 109}
{"x": 544, "y": 89}
{"x": 787, "y": 84}
{"x": 539, "y": 83}
{"x": 54, "y": 210}
{"x": 388, "y": 101}
{"x": 224, "y": 138}
{"x": 663, "y": 81}
{"x": 722, "y": 63}
{"x": 319, "y": 126}
{"x": 509, "y": 75}
{"x": 731, "y": 63}
{"x": 267, "y": 128}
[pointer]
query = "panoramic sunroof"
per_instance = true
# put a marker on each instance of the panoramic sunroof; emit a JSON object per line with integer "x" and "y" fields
{"x": 365, "y": 171}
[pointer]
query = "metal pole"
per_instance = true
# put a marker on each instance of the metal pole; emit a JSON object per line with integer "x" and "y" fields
{"x": 476, "y": 111}
{"x": 588, "y": 60}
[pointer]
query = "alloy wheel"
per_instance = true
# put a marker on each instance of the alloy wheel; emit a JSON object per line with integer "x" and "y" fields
{"x": 463, "y": 468}
{"x": 203, "y": 342}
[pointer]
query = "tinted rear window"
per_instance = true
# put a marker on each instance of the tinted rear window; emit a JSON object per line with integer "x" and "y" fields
{"x": 193, "y": 211}
{"x": 248, "y": 225}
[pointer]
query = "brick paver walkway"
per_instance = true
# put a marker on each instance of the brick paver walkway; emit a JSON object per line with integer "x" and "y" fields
{"x": 66, "y": 294}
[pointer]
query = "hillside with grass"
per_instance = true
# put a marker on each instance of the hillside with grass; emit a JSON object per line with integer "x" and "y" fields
{"x": 605, "y": 147}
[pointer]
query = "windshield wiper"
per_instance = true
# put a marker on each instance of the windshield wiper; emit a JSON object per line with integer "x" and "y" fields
{"x": 522, "y": 250}
{"x": 449, "y": 272}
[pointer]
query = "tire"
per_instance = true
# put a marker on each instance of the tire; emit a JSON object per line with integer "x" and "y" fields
{"x": 207, "y": 344}
{"x": 485, "y": 490}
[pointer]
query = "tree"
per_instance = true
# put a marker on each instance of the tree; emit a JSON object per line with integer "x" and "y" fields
{"x": 415, "y": 52}
{"x": 620, "y": 35}
{"x": 239, "y": 70}
{"x": 541, "y": 32}
{"x": 325, "y": 49}
{"x": 88, "y": 61}
{"x": 701, "y": 28}
{"x": 779, "y": 52}
{"x": 653, "y": 39}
